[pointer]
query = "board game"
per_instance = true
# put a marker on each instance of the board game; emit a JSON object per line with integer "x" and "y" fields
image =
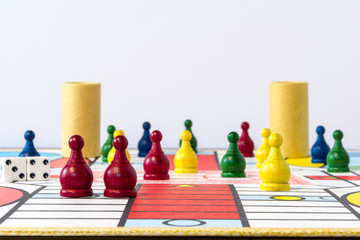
{"x": 327, "y": 204}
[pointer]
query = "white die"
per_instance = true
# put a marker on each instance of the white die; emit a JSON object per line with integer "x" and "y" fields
{"x": 38, "y": 168}
{"x": 13, "y": 169}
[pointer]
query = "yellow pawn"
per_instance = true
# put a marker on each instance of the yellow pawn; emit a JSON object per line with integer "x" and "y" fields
{"x": 275, "y": 172}
{"x": 111, "y": 154}
{"x": 263, "y": 151}
{"x": 185, "y": 159}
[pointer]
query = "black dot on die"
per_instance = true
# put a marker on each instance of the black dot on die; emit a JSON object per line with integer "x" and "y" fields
{"x": 32, "y": 162}
{"x": 8, "y": 162}
{"x": 32, "y": 175}
{"x": 46, "y": 175}
{"x": 14, "y": 169}
{"x": 46, "y": 162}
{"x": 21, "y": 175}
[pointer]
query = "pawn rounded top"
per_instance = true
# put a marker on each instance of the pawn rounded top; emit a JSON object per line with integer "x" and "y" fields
{"x": 265, "y": 132}
{"x": 29, "y": 135}
{"x": 119, "y": 133}
{"x": 156, "y": 136}
{"x": 275, "y": 140}
{"x": 320, "y": 130}
{"x": 120, "y": 143}
{"x": 186, "y": 135}
{"x": 188, "y": 123}
{"x": 146, "y": 125}
{"x": 245, "y": 126}
{"x": 76, "y": 142}
{"x": 338, "y": 135}
{"x": 233, "y": 137}
{"x": 111, "y": 129}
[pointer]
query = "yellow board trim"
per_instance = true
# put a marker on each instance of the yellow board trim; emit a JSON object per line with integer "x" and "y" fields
{"x": 214, "y": 232}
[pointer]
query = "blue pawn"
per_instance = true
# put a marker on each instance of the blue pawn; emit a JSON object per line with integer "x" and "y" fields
{"x": 29, "y": 149}
{"x": 145, "y": 142}
{"x": 320, "y": 149}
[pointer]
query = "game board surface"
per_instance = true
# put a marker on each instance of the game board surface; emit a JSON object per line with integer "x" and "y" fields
{"x": 317, "y": 199}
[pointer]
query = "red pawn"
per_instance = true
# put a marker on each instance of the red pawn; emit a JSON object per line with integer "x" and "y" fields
{"x": 120, "y": 177}
{"x": 76, "y": 177}
{"x": 245, "y": 144}
{"x": 156, "y": 164}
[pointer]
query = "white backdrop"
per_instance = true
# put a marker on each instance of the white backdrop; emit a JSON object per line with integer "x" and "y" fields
{"x": 166, "y": 61}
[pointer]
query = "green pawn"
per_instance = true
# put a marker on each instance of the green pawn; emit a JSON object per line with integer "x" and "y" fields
{"x": 338, "y": 159}
{"x": 108, "y": 144}
{"x": 233, "y": 163}
{"x": 193, "y": 141}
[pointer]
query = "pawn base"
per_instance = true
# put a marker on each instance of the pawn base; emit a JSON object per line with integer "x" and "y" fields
{"x": 76, "y": 193}
{"x": 119, "y": 193}
{"x": 104, "y": 159}
{"x": 185, "y": 170}
{"x": 248, "y": 154}
{"x": 158, "y": 176}
{"x": 319, "y": 160}
{"x": 275, "y": 187}
{"x": 338, "y": 169}
{"x": 232, "y": 175}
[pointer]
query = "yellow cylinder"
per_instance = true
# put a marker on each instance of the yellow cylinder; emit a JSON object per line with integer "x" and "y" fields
{"x": 289, "y": 116}
{"x": 81, "y": 116}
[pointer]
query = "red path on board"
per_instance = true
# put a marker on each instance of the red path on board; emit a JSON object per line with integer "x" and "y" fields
{"x": 169, "y": 201}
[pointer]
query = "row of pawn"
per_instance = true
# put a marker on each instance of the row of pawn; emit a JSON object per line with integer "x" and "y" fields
{"x": 156, "y": 162}
{"x": 76, "y": 177}
{"x": 120, "y": 177}
{"x": 337, "y": 158}
{"x": 245, "y": 143}
{"x": 274, "y": 172}
{"x": 144, "y": 144}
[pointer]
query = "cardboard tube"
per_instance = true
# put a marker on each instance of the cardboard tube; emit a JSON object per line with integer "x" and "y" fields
{"x": 289, "y": 116}
{"x": 81, "y": 116}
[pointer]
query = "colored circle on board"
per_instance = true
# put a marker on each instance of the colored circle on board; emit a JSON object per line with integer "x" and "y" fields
{"x": 287, "y": 198}
{"x": 9, "y": 195}
{"x": 354, "y": 198}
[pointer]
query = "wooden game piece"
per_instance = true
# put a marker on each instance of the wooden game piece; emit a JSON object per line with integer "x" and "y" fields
{"x": 289, "y": 116}
{"x": 320, "y": 149}
{"x": 246, "y": 145}
{"x": 185, "y": 159}
{"x": 263, "y": 151}
{"x": 113, "y": 150}
{"x": 29, "y": 149}
{"x": 338, "y": 159}
{"x": 76, "y": 177}
{"x": 275, "y": 172}
{"x": 81, "y": 115}
{"x": 120, "y": 177}
{"x": 108, "y": 144}
{"x": 193, "y": 141}
{"x": 156, "y": 164}
{"x": 233, "y": 163}
{"x": 145, "y": 143}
